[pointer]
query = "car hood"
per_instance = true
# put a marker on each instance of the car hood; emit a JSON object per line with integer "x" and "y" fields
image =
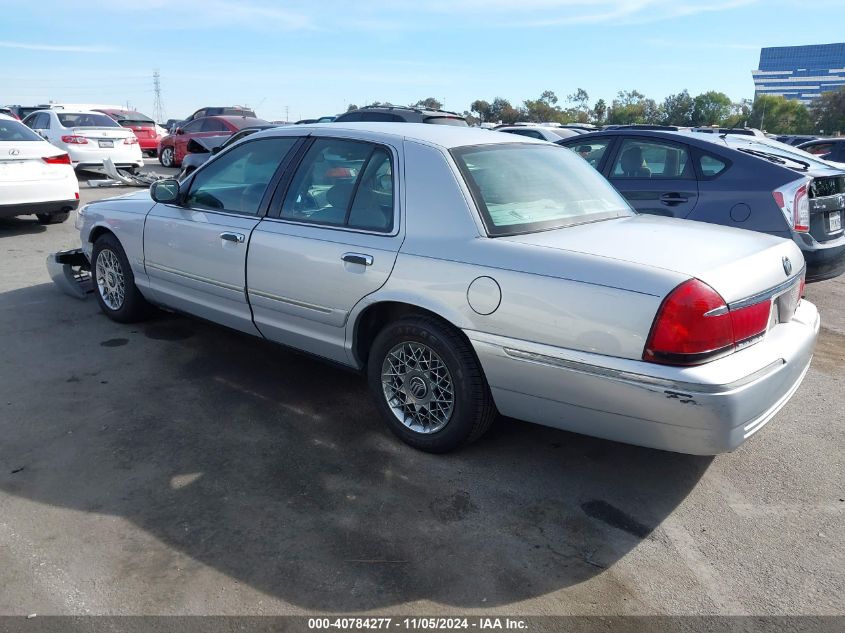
{"x": 737, "y": 263}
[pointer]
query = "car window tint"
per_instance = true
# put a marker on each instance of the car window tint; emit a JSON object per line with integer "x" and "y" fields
{"x": 446, "y": 120}
{"x": 331, "y": 172}
{"x": 213, "y": 125}
{"x": 711, "y": 166}
{"x": 15, "y": 131}
{"x": 351, "y": 117}
{"x": 372, "y": 208}
{"x": 381, "y": 116}
{"x": 528, "y": 133}
{"x": 820, "y": 148}
{"x": 237, "y": 180}
{"x": 521, "y": 188}
{"x": 651, "y": 159}
{"x": 84, "y": 119}
{"x": 591, "y": 151}
{"x": 193, "y": 126}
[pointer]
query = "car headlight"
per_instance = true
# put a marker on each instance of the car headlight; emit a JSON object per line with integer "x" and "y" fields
{"x": 80, "y": 217}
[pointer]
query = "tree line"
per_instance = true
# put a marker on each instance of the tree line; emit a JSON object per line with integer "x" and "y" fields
{"x": 774, "y": 114}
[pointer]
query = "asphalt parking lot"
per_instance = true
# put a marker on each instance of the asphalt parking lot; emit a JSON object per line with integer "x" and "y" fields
{"x": 177, "y": 467}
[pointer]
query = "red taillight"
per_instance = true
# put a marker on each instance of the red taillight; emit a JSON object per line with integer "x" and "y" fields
{"x": 75, "y": 140}
{"x": 801, "y": 210}
{"x": 130, "y": 141}
{"x": 61, "y": 159}
{"x": 794, "y": 203}
{"x": 694, "y": 325}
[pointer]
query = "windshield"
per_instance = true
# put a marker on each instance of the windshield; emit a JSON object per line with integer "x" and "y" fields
{"x": 14, "y": 131}
{"x": 525, "y": 188}
{"x": 86, "y": 119}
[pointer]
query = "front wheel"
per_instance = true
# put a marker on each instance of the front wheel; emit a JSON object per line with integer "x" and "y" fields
{"x": 166, "y": 157}
{"x": 114, "y": 282}
{"x": 428, "y": 385}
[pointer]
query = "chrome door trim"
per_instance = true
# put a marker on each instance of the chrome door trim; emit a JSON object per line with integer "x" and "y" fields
{"x": 193, "y": 277}
{"x": 293, "y": 302}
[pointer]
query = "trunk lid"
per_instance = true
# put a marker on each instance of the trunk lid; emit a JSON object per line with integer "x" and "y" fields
{"x": 736, "y": 263}
{"x": 27, "y": 163}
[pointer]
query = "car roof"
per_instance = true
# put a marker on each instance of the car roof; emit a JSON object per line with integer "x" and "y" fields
{"x": 445, "y": 136}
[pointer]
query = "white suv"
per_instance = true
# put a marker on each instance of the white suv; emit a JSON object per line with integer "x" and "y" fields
{"x": 88, "y": 137}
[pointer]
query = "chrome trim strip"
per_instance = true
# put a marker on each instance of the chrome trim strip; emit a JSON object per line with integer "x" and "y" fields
{"x": 771, "y": 293}
{"x": 642, "y": 379}
{"x": 293, "y": 302}
{"x": 206, "y": 280}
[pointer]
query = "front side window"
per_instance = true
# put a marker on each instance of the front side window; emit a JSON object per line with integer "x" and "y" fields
{"x": 651, "y": 159}
{"x": 85, "y": 119}
{"x": 342, "y": 183}
{"x": 521, "y": 188}
{"x": 193, "y": 126}
{"x": 214, "y": 125}
{"x": 238, "y": 179}
{"x": 591, "y": 151}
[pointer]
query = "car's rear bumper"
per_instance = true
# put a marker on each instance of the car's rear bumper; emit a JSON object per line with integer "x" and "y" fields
{"x": 703, "y": 410}
{"x": 51, "y": 206}
{"x": 825, "y": 260}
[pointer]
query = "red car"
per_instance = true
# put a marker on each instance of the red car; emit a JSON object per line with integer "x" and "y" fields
{"x": 173, "y": 147}
{"x": 143, "y": 126}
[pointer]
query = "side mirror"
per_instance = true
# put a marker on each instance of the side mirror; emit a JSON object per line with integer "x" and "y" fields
{"x": 165, "y": 191}
{"x": 179, "y": 131}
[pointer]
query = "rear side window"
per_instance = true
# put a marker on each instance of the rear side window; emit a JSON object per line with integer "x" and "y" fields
{"x": 651, "y": 159}
{"x": 213, "y": 125}
{"x": 711, "y": 166}
{"x": 342, "y": 183}
{"x": 15, "y": 131}
{"x": 591, "y": 151}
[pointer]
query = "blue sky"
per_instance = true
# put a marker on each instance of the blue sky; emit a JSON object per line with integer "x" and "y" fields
{"x": 315, "y": 57}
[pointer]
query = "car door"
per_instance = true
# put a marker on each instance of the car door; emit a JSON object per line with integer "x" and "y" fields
{"x": 656, "y": 176}
{"x": 330, "y": 239}
{"x": 180, "y": 141}
{"x": 195, "y": 251}
{"x": 40, "y": 123}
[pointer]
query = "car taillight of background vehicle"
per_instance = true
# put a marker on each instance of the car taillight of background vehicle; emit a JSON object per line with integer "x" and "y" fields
{"x": 694, "y": 325}
{"x": 130, "y": 141}
{"x": 61, "y": 159}
{"x": 75, "y": 140}
{"x": 795, "y": 204}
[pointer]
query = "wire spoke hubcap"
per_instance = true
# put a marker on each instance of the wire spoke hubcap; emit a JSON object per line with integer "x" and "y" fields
{"x": 110, "y": 282}
{"x": 418, "y": 387}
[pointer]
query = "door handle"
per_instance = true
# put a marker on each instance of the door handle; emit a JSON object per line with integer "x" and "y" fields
{"x": 358, "y": 258}
{"x": 238, "y": 238}
{"x": 673, "y": 198}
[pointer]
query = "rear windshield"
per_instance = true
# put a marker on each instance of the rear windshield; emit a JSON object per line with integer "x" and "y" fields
{"x": 132, "y": 118}
{"x": 446, "y": 120}
{"x": 15, "y": 131}
{"x": 522, "y": 188}
{"x": 85, "y": 119}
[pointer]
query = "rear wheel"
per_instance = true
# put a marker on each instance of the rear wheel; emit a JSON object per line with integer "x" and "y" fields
{"x": 114, "y": 282}
{"x": 166, "y": 157}
{"x": 428, "y": 385}
{"x": 52, "y": 218}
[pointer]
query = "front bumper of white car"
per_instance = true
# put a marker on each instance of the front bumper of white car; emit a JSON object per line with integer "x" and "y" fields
{"x": 702, "y": 410}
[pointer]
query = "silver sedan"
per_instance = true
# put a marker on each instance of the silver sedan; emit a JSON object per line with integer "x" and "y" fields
{"x": 469, "y": 273}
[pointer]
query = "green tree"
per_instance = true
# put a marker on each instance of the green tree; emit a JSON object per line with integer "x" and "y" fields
{"x": 711, "y": 108}
{"x": 429, "y": 102}
{"x": 502, "y": 110}
{"x": 778, "y": 115}
{"x": 482, "y": 109}
{"x": 677, "y": 109}
{"x": 580, "y": 110}
{"x": 828, "y": 112}
{"x": 351, "y": 107}
{"x": 599, "y": 112}
{"x": 543, "y": 109}
{"x": 631, "y": 107}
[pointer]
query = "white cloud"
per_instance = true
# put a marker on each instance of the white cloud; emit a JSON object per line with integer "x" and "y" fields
{"x": 55, "y": 48}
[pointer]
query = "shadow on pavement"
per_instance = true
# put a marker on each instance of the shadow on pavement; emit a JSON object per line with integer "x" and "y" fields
{"x": 21, "y": 225}
{"x": 275, "y": 469}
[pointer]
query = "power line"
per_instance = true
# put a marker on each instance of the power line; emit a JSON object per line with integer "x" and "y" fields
{"x": 158, "y": 106}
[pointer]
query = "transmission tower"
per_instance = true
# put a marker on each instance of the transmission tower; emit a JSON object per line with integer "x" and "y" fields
{"x": 158, "y": 106}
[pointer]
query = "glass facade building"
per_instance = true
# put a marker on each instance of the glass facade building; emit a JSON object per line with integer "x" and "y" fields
{"x": 800, "y": 72}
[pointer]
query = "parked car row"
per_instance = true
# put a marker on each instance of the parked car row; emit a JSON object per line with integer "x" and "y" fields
{"x": 467, "y": 272}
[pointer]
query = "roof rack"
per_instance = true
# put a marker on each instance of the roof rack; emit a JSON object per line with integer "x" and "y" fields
{"x": 642, "y": 126}
{"x": 414, "y": 108}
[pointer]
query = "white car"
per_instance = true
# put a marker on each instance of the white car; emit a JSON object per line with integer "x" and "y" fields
{"x": 35, "y": 177}
{"x": 88, "y": 137}
{"x": 540, "y": 132}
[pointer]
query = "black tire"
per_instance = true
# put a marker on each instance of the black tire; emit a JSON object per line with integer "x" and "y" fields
{"x": 52, "y": 218}
{"x": 167, "y": 157}
{"x": 133, "y": 306}
{"x": 473, "y": 410}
